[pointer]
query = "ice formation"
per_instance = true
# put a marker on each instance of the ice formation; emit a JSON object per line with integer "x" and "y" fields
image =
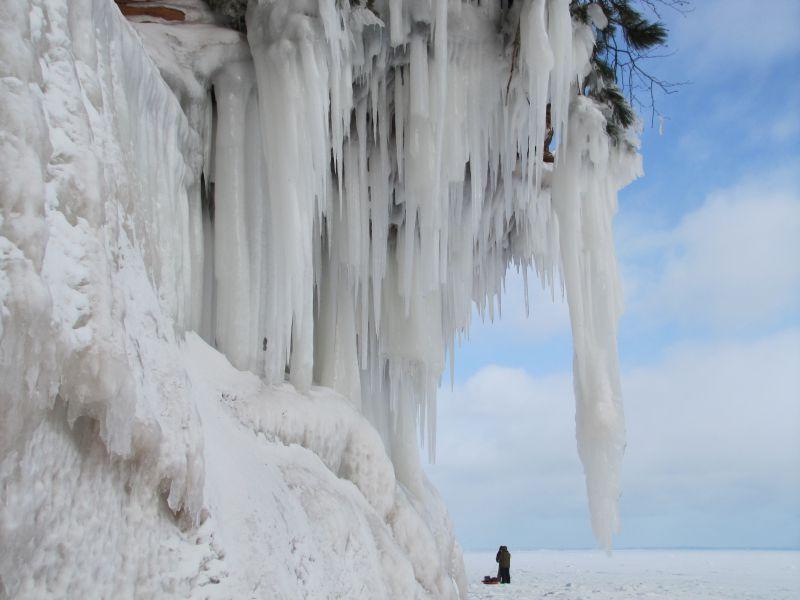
{"x": 325, "y": 201}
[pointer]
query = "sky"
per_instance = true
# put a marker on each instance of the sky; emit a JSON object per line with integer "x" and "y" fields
{"x": 709, "y": 249}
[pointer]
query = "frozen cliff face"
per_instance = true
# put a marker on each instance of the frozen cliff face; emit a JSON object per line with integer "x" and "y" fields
{"x": 133, "y": 464}
{"x": 97, "y": 438}
{"x": 357, "y": 180}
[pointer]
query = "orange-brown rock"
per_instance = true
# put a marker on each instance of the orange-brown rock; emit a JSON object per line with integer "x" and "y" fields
{"x": 140, "y": 8}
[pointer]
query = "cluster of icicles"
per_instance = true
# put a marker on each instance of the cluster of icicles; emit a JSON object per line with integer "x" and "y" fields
{"x": 377, "y": 170}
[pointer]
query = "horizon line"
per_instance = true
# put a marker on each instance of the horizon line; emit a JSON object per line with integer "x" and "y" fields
{"x": 696, "y": 548}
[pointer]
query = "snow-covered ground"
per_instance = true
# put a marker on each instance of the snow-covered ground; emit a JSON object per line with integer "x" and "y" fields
{"x": 672, "y": 574}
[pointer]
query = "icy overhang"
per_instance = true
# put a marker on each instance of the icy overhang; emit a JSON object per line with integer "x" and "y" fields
{"x": 374, "y": 173}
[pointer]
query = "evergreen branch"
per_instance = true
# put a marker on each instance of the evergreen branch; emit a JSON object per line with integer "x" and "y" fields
{"x": 619, "y": 81}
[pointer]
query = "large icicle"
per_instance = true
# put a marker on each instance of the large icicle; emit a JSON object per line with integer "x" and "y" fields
{"x": 232, "y": 247}
{"x": 585, "y": 199}
{"x": 293, "y": 89}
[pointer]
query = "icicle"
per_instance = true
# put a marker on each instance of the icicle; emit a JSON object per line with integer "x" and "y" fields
{"x": 584, "y": 199}
{"x": 292, "y": 73}
{"x": 561, "y": 79}
{"x": 231, "y": 249}
{"x": 538, "y": 59}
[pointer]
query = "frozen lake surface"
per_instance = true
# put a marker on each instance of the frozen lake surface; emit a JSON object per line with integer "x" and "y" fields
{"x": 672, "y": 574}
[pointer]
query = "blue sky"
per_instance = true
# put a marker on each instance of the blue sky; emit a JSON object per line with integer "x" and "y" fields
{"x": 709, "y": 247}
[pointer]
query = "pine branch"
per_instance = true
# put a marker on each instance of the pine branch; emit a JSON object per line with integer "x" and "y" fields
{"x": 618, "y": 79}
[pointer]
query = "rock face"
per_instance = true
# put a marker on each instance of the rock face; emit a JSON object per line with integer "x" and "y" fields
{"x": 143, "y": 8}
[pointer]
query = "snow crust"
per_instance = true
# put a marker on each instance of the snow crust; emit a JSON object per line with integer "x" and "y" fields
{"x": 634, "y": 574}
{"x": 357, "y": 182}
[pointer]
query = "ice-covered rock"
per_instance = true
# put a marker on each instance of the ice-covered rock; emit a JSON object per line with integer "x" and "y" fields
{"x": 192, "y": 217}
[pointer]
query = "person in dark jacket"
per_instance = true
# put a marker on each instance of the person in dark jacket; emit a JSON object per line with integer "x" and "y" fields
{"x": 503, "y": 560}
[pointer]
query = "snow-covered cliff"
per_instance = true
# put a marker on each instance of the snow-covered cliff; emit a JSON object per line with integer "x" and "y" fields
{"x": 190, "y": 218}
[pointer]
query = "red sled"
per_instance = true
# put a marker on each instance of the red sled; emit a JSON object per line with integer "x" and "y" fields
{"x": 491, "y": 580}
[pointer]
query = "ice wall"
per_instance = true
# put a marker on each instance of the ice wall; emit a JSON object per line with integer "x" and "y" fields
{"x": 98, "y": 439}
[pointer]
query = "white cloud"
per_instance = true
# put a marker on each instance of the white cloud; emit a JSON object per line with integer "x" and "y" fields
{"x": 714, "y": 414}
{"x": 506, "y": 455}
{"x": 719, "y": 35}
{"x": 732, "y": 263}
{"x": 713, "y": 430}
{"x": 493, "y": 410}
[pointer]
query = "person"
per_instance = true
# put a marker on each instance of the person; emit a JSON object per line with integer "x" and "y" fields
{"x": 503, "y": 560}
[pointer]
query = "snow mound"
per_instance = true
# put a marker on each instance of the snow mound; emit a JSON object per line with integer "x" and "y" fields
{"x": 303, "y": 497}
